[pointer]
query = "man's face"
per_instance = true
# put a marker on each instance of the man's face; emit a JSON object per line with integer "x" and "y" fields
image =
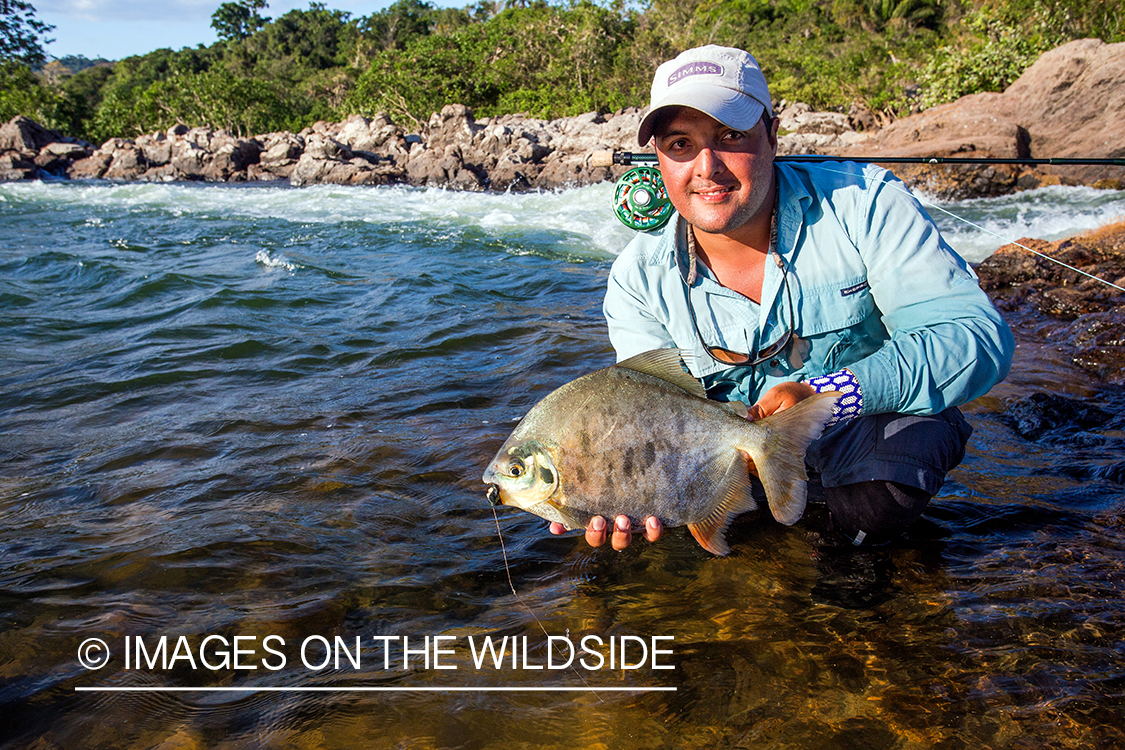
{"x": 718, "y": 178}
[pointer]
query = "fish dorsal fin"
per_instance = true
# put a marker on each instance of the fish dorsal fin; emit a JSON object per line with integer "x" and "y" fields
{"x": 665, "y": 364}
{"x": 734, "y": 499}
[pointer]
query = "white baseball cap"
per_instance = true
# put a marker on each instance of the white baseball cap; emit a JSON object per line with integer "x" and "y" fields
{"x": 722, "y": 82}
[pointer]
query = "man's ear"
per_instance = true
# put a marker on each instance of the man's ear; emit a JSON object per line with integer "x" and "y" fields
{"x": 775, "y": 123}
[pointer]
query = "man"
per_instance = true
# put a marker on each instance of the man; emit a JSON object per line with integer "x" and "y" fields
{"x": 781, "y": 280}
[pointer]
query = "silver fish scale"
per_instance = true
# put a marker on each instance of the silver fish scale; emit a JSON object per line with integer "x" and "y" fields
{"x": 629, "y": 443}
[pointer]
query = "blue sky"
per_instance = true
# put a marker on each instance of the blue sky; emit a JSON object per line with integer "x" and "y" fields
{"x": 114, "y": 29}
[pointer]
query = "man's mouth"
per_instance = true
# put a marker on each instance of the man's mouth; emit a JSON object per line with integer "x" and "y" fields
{"x": 712, "y": 193}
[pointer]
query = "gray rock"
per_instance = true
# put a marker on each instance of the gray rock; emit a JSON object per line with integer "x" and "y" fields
{"x": 128, "y": 162}
{"x": 16, "y": 166}
{"x": 26, "y": 136}
{"x": 188, "y": 159}
{"x": 92, "y": 167}
{"x": 157, "y": 148}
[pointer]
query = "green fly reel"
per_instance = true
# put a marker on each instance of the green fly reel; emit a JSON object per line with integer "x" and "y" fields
{"x": 640, "y": 200}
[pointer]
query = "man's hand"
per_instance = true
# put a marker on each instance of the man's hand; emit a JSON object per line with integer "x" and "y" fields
{"x": 596, "y": 531}
{"x": 779, "y": 398}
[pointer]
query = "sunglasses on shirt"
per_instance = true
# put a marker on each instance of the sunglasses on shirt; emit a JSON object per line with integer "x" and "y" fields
{"x": 730, "y": 357}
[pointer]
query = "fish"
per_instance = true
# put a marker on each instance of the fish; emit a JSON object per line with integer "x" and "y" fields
{"x": 641, "y": 438}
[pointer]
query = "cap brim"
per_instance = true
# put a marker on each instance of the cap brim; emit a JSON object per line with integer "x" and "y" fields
{"x": 732, "y": 108}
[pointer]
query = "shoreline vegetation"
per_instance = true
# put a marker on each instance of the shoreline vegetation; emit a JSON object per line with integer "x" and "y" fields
{"x": 1064, "y": 105}
{"x": 874, "y": 61}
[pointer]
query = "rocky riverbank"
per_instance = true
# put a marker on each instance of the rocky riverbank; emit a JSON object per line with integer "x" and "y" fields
{"x": 1081, "y": 317}
{"x": 453, "y": 150}
{"x": 1064, "y": 105}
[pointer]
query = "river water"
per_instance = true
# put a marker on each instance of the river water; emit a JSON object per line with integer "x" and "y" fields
{"x": 243, "y": 427}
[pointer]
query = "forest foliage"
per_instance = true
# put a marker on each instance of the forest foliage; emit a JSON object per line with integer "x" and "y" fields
{"x": 547, "y": 59}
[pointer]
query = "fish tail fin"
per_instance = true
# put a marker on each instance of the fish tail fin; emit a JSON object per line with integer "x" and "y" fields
{"x": 736, "y": 499}
{"x": 779, "y": 455}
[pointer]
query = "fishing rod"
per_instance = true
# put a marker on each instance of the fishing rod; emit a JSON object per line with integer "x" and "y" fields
{"x": 631, "y": 159}
{"x": 640, "y": 200}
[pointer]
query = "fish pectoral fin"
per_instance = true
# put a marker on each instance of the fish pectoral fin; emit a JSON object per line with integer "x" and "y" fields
{"x": 562, "y": 514}
{"x": 734, "y": 499}
{"x": 737, "y": 407}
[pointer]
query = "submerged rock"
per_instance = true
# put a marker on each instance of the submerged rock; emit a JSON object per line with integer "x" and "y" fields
{"x": 1052, "y": 415}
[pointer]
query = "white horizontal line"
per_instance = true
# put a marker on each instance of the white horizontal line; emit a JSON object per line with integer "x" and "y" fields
{"x": 368, "y": 689}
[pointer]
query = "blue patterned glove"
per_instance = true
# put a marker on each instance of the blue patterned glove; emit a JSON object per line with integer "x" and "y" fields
{"x": 843, "y": 381}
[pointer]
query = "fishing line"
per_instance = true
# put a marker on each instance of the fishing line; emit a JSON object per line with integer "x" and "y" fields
{"x": 512, "y": 586}
{"x": 925, "y": 202}
{"x": 931, "y": 204}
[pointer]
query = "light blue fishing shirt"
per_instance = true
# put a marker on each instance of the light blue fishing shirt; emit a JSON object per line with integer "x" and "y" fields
{"x": 874, "y": 286}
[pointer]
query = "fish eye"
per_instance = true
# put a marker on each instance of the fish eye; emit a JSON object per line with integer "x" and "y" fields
{"x": 515, "y": 468}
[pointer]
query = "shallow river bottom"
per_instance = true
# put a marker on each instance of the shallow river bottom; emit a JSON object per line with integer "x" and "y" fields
{"x": 222, "y": 425}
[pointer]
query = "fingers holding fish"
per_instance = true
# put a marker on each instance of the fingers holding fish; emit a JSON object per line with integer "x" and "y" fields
{"x": 780, "y": 398}
{"x": 596, "y": 532}
{"x": 623, "y": 531}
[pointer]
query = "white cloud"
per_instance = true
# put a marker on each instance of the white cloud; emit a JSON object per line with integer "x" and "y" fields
{"x": 97, "y": 11}
{"x": 181, "y": 11}
{"x": 114, "y": 29}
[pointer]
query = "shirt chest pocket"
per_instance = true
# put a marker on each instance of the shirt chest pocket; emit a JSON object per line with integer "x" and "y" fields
{"x": 840, "y": 324}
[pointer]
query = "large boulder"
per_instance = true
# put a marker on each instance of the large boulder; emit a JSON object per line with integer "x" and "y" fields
{"x": 26, "y": 136}
{"x": 128, "y": 162}
{"x": 327, "y": 160}
{"x": 14, "y": 166}
{"x": 28, "y": 150}
{"x": 278, "y": 157}
{"x": 1067, "y": 104}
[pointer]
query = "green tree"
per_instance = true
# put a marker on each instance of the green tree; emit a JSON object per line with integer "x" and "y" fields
{"x": 84, "y": 92}
{"x": 398, "y": 25}
{"x": 21, "y": 93}
{"x": 541, "y": 60}
{"x": 22, "y": 35}
{"x": 238, "y": 20}
{"x": 989, "y": 61}
{"x": 294, "y": 46}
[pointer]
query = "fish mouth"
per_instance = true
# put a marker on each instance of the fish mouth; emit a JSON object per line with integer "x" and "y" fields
{"x": 493, "y": 495}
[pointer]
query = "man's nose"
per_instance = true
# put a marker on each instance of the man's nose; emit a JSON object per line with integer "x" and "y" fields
{"x": 708, "y": 162}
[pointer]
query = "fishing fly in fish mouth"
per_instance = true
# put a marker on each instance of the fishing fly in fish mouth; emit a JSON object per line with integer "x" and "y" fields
{"x": 810, "y": 294}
